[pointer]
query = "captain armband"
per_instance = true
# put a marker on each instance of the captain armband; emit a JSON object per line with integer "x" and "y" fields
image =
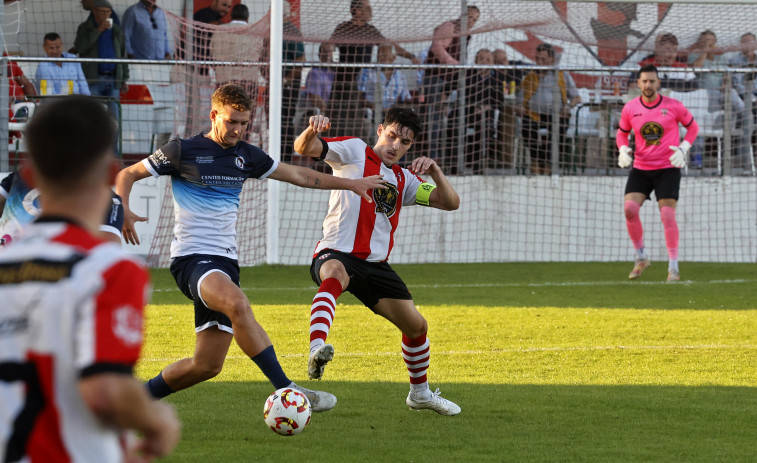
{"x": 423, "y": 194}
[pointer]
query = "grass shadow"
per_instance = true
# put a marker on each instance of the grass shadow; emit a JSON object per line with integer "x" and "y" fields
{"x": 499, "y": 423}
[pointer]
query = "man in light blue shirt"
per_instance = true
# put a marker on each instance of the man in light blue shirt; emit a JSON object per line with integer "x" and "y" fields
{"x": 146, "y": 31}
{"x": 59, "y": 77}
{"x": 393, "y": 83}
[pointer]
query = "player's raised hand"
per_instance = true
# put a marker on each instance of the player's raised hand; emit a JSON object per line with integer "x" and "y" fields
{"x": 363, "y": 185}
{"x": 128, "y": 230}
{"x": 624, "y": 158}
{"x": 423, "y": 165}
{"x": 319, "y": 123}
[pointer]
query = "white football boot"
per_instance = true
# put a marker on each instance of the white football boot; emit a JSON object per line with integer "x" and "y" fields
{"x": 319, "y": 401}
{"x": 318, "y": 360}
{"x": 433, "y": 401}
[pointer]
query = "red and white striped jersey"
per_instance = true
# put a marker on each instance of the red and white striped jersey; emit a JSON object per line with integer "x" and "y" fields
{"x": 353, "y": 225}
{"x": 72, "y": 307}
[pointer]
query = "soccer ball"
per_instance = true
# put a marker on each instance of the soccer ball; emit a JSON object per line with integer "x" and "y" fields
{"x": 287, "y": 411}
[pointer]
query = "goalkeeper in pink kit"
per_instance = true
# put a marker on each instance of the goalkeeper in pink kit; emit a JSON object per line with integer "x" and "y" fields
{"x": 657, "y": 163}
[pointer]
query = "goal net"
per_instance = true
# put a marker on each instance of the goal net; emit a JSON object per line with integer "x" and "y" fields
{"x": 536, "y": 169}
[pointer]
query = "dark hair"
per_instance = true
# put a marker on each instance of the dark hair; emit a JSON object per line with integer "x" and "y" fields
{"x": 324, "y": 44}
{"x": 51, "y": 36}
{"x": 66, "y": 135}
{"x": 707, "y": 32}
{"x": 355, "y": 4}
{"x": 404, "y": 117}
{"x": 546, "y": 47}
{"x": 240, "y": 12}
{"x": 474, "y": 7}
{"x": 231, "y": 95}
{"x": 748, "y": 34}
{"x": 648, "y": 68}
{"x": 667, "y": 38}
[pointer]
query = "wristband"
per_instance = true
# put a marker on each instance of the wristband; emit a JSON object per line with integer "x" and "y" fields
{"x": 324, "y": 150}
{"x": 423, "y": 193}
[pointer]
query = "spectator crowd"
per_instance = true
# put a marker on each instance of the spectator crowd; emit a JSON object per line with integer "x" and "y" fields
{"x": 502, "y": 99}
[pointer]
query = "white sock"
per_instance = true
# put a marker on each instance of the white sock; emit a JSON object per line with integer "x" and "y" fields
{"x": 315, "y": 344}
{"x": 420, "y": 390}
{"x": 640, "y": 255}
{"x": 673, "y": 265}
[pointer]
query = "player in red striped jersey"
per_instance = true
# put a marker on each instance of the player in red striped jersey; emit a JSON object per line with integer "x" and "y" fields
{"x": 71, "y": 322}
{"x": 660, "y": 155}
{"x": 358, "y": 236}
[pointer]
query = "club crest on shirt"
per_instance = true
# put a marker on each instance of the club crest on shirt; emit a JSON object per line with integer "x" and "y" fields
{"x": 386, "y": 200}
{"x": 127, "y": 325}
{"x": 652, "y": 132}
{"x": 239, "y": 161}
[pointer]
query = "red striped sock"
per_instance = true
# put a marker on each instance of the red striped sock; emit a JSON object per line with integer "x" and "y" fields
{"x": 322, "y": 311}
{"x": 417, "y": 353}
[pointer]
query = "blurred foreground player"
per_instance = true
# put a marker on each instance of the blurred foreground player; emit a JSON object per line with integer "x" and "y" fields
{"x": 358, "y": 236}
{"x": 207, "y": 173}
{"x": 72, "y": 312}
{"x": 654, "y": 119}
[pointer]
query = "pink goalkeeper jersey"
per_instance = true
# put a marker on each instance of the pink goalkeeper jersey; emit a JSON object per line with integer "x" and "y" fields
{"x": 353, "y": 225}
{"x": 656, "y": 130}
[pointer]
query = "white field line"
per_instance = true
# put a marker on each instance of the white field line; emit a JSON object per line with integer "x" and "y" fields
{"x": 512, "y": 285}
{"x": 505, "y": 351}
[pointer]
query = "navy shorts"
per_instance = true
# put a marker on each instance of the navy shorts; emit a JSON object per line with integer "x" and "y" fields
{"x": 664, "y": 182}
{"x": 369, "y": 281}
{"x": 189, "y": 271}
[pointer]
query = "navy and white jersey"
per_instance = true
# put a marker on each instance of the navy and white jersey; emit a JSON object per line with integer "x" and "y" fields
{"x": 22, "y": 206}
{"x": 207, "y": 180}
{"x": 114, "y": 218}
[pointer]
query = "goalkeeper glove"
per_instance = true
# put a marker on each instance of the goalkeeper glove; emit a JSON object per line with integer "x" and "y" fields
{"x": 678, "y": 158}
{"x": 624, "y": 158}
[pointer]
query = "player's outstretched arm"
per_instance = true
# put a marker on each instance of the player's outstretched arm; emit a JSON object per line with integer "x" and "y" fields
{"x": 120, "y": 400}
{"x": 309, "y": 178}
{"x": 307, "y": 143}
{"x": 124, "y": 182}
{"x": 444, "y": 195}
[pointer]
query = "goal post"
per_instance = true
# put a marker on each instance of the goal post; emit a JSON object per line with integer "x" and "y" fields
{"x": 274, "y": 130}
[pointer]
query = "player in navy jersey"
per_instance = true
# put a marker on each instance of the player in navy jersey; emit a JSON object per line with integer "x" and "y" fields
{"x": 207, "y": 172}
{"x": 19, "y": 204}
{"x": 358, "y": 237}
{"x": 72, "y": 314}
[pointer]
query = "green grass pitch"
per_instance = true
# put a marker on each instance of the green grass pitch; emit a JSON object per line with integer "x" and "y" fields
{"x": 550, "y": 362}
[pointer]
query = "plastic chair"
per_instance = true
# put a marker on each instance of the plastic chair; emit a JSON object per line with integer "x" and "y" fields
{"x": 711, "y": 124}
{"x": 22, "y": 112}
{"x": 583, "y": 125}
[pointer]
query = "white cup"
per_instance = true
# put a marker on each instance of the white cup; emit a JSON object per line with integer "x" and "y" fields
{"x": 109, "y": 21}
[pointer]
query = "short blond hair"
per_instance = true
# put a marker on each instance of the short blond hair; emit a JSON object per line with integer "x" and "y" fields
{"x": 230, "y": 95}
